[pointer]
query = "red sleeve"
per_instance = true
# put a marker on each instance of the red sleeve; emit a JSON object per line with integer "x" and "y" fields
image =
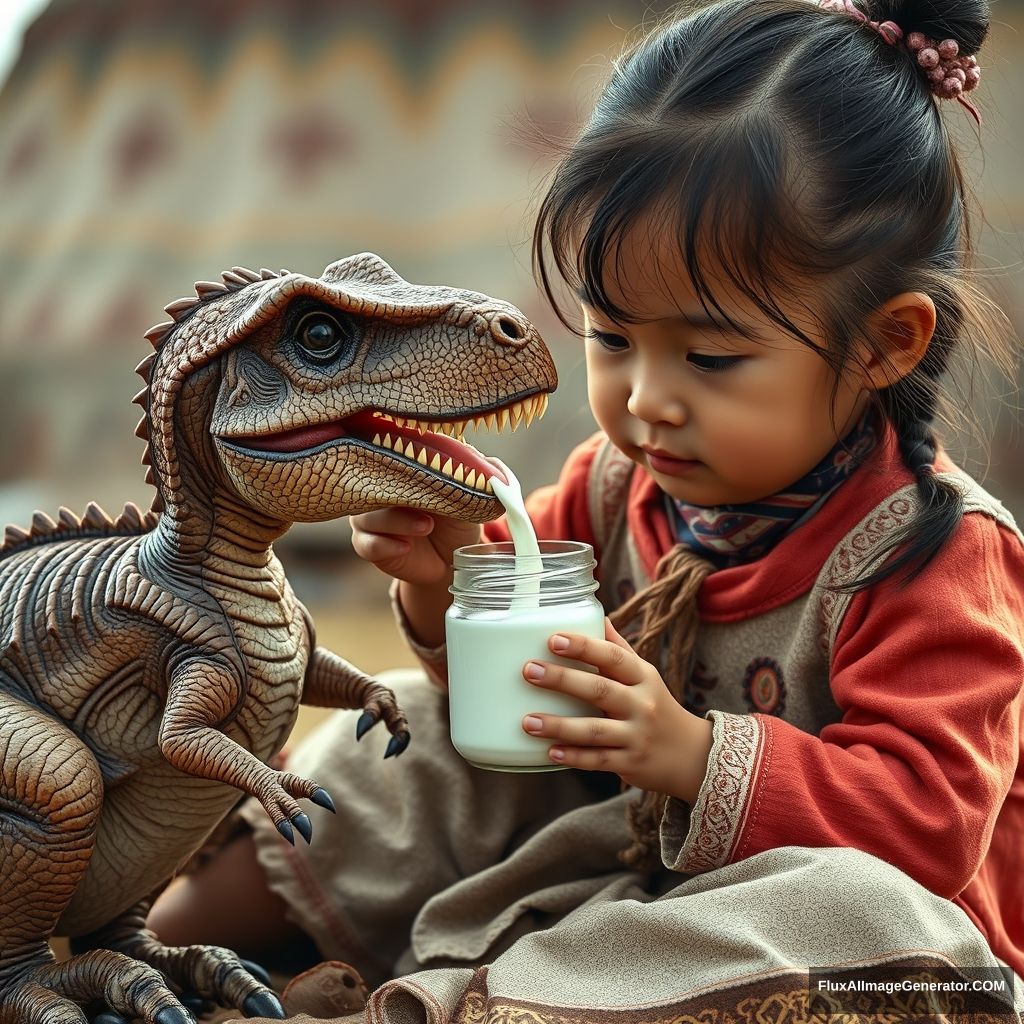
{"x": 559, "y": 511}
{"x": 929, "y": 680}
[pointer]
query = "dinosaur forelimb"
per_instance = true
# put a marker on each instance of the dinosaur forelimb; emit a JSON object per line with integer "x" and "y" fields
{"x": 201, "y": 698}
{"x": 331, "y": 682}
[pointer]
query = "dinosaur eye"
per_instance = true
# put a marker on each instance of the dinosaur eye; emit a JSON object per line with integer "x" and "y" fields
{"x": 321, "y": 335}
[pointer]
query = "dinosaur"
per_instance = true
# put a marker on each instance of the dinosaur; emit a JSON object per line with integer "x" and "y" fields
{"x": 151, "y": 665}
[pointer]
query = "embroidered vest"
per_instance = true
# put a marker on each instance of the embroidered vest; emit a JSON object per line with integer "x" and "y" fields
{"x": 776, "y": 663}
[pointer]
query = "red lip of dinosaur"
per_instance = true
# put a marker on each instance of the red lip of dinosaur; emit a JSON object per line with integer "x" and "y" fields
{"x": 432, "y": 451}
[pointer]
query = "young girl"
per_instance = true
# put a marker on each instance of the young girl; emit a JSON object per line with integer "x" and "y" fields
{"x": 818, "y": 710}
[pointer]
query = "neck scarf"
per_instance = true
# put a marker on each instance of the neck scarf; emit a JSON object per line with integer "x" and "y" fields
{"x": 730, "y": 535}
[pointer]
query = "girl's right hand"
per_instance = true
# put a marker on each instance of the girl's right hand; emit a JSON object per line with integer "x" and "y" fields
{"x": 410, "y": 544}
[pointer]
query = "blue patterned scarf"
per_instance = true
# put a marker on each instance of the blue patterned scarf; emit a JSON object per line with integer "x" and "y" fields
{"x": 730, "y": 535}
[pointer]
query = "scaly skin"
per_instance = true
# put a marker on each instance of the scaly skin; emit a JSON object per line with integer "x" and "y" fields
{"x": 151, "y": 666}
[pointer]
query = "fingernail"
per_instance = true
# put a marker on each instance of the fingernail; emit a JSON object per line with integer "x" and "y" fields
{"x": 534, "y": 670}
{"x": 556, "y": 754}
{"x": 533, "y": 724}
{"x": 559, "y": 642}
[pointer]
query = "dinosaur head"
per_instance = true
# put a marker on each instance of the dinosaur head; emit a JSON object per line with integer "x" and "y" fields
{"x": 334, "y": 395}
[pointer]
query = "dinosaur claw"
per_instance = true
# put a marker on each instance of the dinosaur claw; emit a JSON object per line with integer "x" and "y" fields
{"x": 174, "y": 1015}
{"x": 109, "y": 1017}
{"x": 305, "y": 827}
{"x": 322, "y": 798}
{"x": 367, "y": 720}
{"x": 263, "y": 1004}
{"x": 285, "y": 829}
{"x": 257, "y": 971}
{"x": 397, "y": 744}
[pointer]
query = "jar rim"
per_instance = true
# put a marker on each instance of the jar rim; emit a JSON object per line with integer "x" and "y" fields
{"x": 504, "y": 548}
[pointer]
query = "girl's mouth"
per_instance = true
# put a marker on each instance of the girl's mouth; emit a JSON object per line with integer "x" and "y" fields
{"x": 669, "y": 465}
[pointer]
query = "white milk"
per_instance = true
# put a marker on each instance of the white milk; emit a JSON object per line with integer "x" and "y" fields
{"x": 509, "y": 599}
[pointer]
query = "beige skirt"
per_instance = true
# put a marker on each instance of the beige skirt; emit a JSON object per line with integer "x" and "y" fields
{"x": 466, "y": 895}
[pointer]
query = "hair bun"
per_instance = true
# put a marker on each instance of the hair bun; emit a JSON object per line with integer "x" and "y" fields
{"x": 966, "y": 21}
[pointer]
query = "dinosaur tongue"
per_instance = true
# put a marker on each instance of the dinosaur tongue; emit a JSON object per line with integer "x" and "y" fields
{"x": 425, "y": 448}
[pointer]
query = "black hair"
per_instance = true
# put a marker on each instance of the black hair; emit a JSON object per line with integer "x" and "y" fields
{"x": 792, "y": 143}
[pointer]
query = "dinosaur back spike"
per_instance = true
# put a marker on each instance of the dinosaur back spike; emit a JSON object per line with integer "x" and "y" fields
{"x": 14, "y": 535}
{"x": 96, "y": 518}
{"x": 180, "y": 308}
{"x": 142, "y": 429}
{"x": 67, "y": 519}
{"x": 145, "y": 368}
{"x": 205, "y": 289}
{"x": 42, "y": 524}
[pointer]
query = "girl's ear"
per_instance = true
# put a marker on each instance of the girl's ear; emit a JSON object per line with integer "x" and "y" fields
{"x": 903, "y": 329}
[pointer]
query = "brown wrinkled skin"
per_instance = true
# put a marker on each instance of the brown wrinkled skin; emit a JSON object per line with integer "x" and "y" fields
{"x": 151, "y": 666}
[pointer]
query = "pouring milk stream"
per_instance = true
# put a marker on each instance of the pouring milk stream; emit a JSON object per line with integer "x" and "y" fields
{"x": 508, "y": 600}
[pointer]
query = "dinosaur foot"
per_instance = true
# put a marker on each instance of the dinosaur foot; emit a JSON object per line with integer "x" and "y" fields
{"x": 206, "y": 977}
{"x": 54, "y": 993}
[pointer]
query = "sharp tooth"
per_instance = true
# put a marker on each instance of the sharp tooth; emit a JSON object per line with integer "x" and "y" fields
{"x": 503, "y": 420}
{"x": 543, "y": 405}
{"x": 477, "y": 422}
{"x": 487, "y": 486}
{"x": 422, "y": 457}
{"x": 528, "y": 410}
{"x": 447, "y": 468}
{"x": 388, "y": 443}
{"x": 376, "y": 440}
{"x": 516, "y": 415}
{"x": 458, "y": 474}
{"x": 471, "y": 478}
{"x": 492, "y": 422}
{"x": 399, "y": 447}
{"x": 435, "y": 462}
{"x": 421, "y": 427}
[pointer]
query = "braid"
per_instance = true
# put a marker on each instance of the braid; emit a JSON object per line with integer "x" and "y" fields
{"x": 667, "y": 611}
{"x": 910, "y": 407}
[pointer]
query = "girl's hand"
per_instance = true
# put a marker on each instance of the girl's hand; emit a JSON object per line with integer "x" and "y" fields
{"x": 410, "y": 544}
{"x": 646, "y": 738}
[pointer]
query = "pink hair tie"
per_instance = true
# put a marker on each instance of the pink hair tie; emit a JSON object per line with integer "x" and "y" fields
{"x": 948, "y": 74}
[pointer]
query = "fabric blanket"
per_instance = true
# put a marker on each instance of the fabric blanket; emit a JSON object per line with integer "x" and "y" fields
{"x": 469, "y": 896}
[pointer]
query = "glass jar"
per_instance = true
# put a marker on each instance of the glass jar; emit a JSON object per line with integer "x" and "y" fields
{"x": 505, "y": 608}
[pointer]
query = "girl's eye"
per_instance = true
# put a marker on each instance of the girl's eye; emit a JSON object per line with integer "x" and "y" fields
{"x": 713, "y": 364}
{"x": 612, "y": 342}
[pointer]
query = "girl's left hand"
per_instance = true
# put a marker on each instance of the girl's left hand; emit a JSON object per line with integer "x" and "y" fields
{"x": 646, "y": 738}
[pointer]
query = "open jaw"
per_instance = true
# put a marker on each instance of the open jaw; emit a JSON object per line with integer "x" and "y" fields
{"x": 433, "y": 446}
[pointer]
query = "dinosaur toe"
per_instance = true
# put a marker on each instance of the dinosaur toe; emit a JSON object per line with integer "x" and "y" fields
{"x": 263, "y": 1004}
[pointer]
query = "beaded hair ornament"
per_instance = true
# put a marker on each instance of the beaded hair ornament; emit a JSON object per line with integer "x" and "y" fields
{"x": 948, "y": 74}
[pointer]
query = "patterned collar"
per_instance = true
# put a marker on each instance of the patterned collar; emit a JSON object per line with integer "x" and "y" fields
{"x": 730, "y": 535}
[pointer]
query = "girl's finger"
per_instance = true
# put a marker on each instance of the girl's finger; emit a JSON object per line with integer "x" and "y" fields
{"x": 379, "y": 547}
{"x": 588, "y": 759}
{"x": 616, "y": 660}
{"x": 577, "y": 732}
{"x": 605, "y": 694}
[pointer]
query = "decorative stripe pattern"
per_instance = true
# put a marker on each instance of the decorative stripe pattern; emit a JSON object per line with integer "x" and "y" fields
{"x": 714, "y": 823}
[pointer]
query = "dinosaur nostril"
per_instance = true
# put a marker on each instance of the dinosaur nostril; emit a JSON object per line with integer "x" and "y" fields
{"x": 510, "y": 329}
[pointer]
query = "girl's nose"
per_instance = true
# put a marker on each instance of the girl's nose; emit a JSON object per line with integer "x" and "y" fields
{"x": 656, "y": 401}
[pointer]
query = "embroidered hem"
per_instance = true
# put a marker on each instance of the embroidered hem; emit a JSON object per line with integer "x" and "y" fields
{"x": 702, "y": 838}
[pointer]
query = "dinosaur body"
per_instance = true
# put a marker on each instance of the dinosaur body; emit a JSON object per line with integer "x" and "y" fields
{"x": 151, "y": 666}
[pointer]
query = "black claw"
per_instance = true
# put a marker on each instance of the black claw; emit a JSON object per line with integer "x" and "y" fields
{"x": 323, "y": 799}
{"x": 109, "y": 1017}
{"x": 286, "y": 830}
{"x": 367, "y": 720}
{"x": 263, "y": 1004}
{"x": 174, "y": 1015}
{"x": 397, "y": 744}
{"x": 257, "y": 971}
{"x": 305, "y": 827}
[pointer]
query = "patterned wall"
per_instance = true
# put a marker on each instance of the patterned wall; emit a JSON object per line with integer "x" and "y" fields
{"x": 148, "y": 144}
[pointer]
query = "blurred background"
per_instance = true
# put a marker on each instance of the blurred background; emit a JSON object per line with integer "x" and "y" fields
{"x": 147, "y": 144}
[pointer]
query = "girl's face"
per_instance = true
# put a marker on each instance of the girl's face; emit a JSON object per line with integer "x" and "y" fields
{"x": 714, "y": 417}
